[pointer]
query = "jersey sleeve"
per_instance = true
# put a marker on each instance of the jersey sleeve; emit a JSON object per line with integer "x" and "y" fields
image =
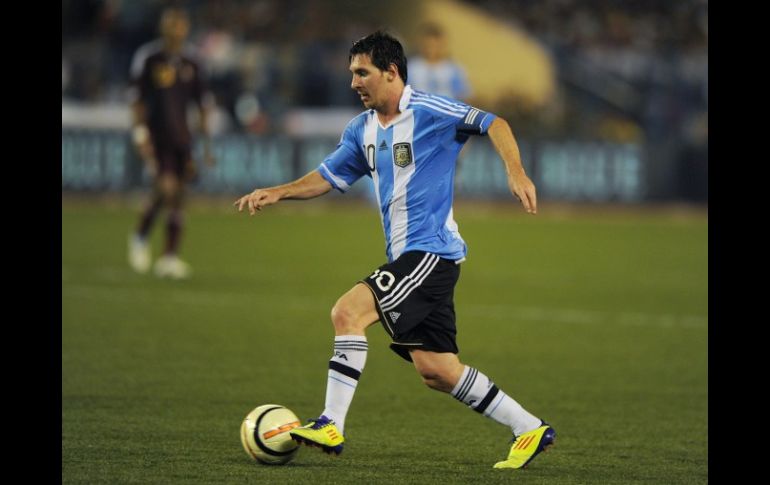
{"x": 139, "y": 76}
{"x": 346, "y": 163}
{"x": 475, "y": 122}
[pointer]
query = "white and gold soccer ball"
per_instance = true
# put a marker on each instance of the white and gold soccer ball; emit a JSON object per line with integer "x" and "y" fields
{"x": 265, "y": 434}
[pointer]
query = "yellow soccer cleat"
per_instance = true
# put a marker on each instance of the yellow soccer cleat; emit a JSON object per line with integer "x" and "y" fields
{"x": 321, "y": 432}
{"x": 527, "y": 446}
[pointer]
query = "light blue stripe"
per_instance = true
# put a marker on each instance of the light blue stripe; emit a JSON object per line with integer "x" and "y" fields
{"x": 346, "y": 383}
{"x": 498, "y": 403}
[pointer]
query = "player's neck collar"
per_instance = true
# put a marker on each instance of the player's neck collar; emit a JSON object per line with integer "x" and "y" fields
{"x": 406, "y": 95}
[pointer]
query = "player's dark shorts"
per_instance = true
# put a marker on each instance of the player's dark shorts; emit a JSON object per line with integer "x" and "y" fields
{"x": 172, "y": 159}
{"x": 414, "y": 296}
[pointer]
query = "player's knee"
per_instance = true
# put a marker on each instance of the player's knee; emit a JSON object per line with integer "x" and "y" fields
{"x": 170, "y": 189}
{"x": 344, "y": 319}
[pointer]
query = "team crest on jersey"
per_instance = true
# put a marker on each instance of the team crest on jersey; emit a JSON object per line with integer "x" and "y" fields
{"x": 402, "y": 154}
{"x": 164, "y": 75}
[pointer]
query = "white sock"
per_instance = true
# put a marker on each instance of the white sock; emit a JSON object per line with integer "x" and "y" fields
{"x": 482, "y": 395}
{"x": 345, "y": 368}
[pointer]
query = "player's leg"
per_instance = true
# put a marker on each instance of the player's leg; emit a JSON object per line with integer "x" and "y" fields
{"x": 439, "y": 370}
{"x": 139, "y": 255}
{"x": 173, "y": 191}
{"x": 444, "y": 372}
{"x": 351, "y": 315}
{"x": 150, "y": 213}
{"x": 429, "y": 341}
{"x": 174, "y": 194}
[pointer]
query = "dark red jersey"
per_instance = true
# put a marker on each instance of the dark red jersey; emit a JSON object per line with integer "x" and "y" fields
{"x": 166, "y": 84}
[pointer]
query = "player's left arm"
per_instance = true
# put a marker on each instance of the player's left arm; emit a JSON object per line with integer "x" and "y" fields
{"x": 505, "y": 144}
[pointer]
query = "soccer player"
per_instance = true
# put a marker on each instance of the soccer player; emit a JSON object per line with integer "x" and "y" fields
{"x": 165, "y": 79}
{"x": 407, "y": 141}
{"x": 433, "y": 70}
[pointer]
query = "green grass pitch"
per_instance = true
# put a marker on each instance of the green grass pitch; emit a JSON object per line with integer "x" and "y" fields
{"x": 595, "y": 320}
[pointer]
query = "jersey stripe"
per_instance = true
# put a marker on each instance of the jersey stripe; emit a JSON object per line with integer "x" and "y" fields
{"x": 436, "y": 99}
{"x": 402, "y": 132}
{"x": 385, "y": 172}
{"x": 341, "y": 184}
{"x": 406, "y": 280}
{"x": 437, "y": 108}
{"x": 411, "y": 284}
{"x": 370, "y": 138}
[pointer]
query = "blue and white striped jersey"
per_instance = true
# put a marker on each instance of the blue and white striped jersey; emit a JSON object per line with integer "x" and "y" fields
{"x": 412, "y": 165}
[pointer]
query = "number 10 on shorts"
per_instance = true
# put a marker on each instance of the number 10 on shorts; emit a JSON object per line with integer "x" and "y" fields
{"x": 384, "y": 279}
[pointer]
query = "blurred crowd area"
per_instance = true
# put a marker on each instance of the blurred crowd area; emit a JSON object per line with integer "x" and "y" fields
{"x": 627, "y": 71}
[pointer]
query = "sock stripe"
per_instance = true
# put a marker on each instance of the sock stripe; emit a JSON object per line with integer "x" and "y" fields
{"x": 470, "y": 379}
{"x": 344, "y": 370}
{"x": 467, "y": 384}
{"x": 499, "y": 401}
{"x": 350, "y": 347}
{"x": 341, "y": 381}
{"x": 487, "y": 399}
{"x": 460, "y": 386}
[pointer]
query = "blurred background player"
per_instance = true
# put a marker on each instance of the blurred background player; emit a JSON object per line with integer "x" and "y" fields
{"x": 165, "y": 79}
{"x": 432, "y": 70}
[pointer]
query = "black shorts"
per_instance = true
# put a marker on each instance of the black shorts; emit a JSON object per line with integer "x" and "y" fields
{"x": 414, "y": 296}
{"x": 172, "y": 160}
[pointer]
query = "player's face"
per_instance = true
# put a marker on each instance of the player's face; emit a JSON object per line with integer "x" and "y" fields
{"x": 433, "y": 47}
{"x": 368, "y": 81}
{"x": 175, "y": 25}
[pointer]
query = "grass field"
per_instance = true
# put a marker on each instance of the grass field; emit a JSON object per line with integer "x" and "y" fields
{"x": 594, "y": 320}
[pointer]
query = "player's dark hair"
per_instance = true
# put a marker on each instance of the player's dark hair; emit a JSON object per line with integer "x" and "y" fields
{"x": 383, "y": 49}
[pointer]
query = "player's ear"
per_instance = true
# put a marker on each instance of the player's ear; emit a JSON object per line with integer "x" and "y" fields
{"x": 392, "y": 72}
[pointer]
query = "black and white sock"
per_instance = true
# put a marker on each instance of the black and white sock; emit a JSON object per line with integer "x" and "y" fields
{"x": 482, "y": 395}
{"x": 345, "y": 368}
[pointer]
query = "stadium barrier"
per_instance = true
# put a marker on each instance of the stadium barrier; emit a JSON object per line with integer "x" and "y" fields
{"x": 104, "y": 161}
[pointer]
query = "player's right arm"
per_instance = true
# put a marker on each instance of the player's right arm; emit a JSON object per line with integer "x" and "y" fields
{"x": 141, "y": 137}
{"x": 307, "y": 187}
{"x": 339, "y": 170}
{"x": 140, "y": 133}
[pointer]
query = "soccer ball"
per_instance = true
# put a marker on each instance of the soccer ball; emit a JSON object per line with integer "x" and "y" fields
{"x": 265, "y": 434}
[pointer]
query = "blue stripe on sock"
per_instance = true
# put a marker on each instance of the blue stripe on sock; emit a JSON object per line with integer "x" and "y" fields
{"x": 340, "y": 380}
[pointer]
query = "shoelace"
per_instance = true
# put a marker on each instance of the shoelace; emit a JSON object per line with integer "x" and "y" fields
{"x": 318, "y": 423}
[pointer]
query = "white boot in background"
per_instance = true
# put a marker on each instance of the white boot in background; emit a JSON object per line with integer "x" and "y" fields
{"x": 139, "y": 256}
{"x": 170, "y": 266}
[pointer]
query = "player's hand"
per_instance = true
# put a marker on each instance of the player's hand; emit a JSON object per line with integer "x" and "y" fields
{"x": 147, "y": 154}
{"x": 524, "y": 190}
{"x": 256, "y": 200}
